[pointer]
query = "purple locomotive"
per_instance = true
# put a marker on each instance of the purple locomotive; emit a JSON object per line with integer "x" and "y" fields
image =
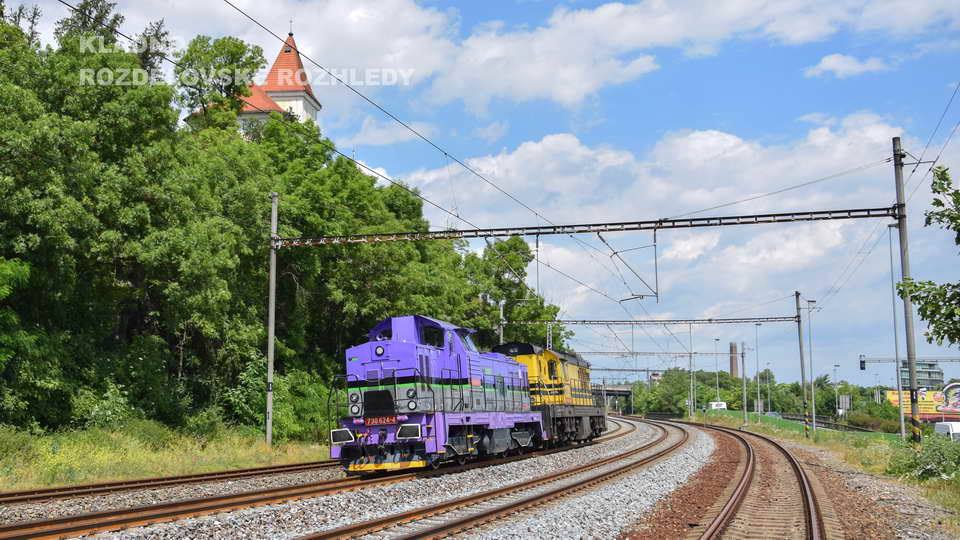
{"x": 419, "y": 393}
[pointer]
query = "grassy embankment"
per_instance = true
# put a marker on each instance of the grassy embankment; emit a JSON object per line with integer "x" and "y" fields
{"x": 935, "y": 470}
{"x": 140, "y": 449}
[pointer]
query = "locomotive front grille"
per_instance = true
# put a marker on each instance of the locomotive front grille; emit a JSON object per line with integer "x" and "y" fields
{"x": 378, "y": 403}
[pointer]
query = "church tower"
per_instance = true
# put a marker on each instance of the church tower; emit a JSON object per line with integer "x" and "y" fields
{"x": 285, "y": 90}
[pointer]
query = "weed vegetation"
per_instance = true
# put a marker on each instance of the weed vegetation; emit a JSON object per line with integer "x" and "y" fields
{"x": 139, "y": 448}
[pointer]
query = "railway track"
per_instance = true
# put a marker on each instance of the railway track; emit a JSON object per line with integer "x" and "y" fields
{"x": 473, "y": 510}
{"x": 33, "y": 495}
{"x": 771, "y": 498}
{"x": 122, "y": 518}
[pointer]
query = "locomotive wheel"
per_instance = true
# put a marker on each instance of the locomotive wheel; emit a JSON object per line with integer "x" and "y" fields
{"x": 461, "y": 460}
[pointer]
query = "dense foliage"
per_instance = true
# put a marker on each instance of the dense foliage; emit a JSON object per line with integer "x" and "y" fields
{"x": 133, "y": 249}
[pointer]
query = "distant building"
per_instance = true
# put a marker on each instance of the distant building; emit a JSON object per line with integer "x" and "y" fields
{"x": 929, "y": 375}
{"x": 285, "y": 90}
{"x": 734, "y": 361}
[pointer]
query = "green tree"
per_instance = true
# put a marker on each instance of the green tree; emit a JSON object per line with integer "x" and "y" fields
{"x": 26, "y": 18}
{"x": 91, "y": 17}
{"x": 216, "y": 73}
{"x": 151, "y": 46}
{"x": 134, "y": 251}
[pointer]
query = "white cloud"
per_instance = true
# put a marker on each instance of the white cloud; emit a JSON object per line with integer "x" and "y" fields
{"x": 692, "y": 247}
{"x": 578, "y": 52}
{"x": 492, "y": 132}
{"x": 374, "y": 133}
{"x": 820, "y": 119}
{"x": 567, "y": 58}
{"x": 842, "y": 66}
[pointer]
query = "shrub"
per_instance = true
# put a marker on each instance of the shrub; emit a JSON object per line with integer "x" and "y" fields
{"x": 150, "y": 433}
{"x": 16, "y": 445}
{"x": 106, "y": 410}
{"x": 207, "y": 424}
{"x": 302, "y": 409}
{"x": 939, "y": 457}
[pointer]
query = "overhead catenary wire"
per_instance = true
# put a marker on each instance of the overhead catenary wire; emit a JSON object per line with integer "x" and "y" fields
{"x": 417, "y": 133}
{"x": 935, "y": 160}
{"x": 936, "y": 128}
{"x": 476, "y": 173}
{"x": 836, "y": 286}
{"x": 845, "y": 172}
{"x": 751, "y": 307}
{"x": 360, "y": 164}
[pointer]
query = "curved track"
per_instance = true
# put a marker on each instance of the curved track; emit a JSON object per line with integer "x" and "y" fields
{"x": 112, "y": 520}
{"x": 762, "y": 502}
{"x": 467, "y": 512}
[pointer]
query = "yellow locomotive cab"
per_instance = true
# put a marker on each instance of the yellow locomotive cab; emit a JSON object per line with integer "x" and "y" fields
{"x": 556, "y": 378}
{"x": 560, "y": 390}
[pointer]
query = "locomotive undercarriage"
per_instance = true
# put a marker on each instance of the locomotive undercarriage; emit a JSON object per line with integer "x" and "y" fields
{"x": 572, "y": 424}
{"x": 385, "y": 457}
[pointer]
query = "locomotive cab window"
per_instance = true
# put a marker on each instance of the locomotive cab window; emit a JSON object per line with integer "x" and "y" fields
{"x": 552, "y": 369}
{"x": 432, "y": 336}
{"x": 467, "y": 342}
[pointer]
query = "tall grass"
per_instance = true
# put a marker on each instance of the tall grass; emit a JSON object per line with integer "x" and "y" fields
{"x": 140, "y": 449}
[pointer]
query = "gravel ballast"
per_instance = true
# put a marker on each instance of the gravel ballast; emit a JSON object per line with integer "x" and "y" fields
{"x": 611, "y": 508}
{"x": 328, "y": 512}
{"x": 140, "y": 497}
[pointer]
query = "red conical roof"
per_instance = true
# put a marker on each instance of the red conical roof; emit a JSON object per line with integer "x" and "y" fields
{"x": 259, "y": 101}
{"x": 287, "y": 73}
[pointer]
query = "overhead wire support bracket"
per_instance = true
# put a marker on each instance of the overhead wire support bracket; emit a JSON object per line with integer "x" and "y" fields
{"x": 590, "y": 228}
{"x": 661, "y": 322}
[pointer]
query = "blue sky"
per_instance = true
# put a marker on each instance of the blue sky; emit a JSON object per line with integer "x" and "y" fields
{"x": 593, "y": 111}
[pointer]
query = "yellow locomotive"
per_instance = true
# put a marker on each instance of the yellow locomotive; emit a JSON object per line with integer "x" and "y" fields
{"x": 560, "y": 390}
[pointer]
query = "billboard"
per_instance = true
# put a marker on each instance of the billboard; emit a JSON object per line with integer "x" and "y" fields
{"x": 932, "y": 402}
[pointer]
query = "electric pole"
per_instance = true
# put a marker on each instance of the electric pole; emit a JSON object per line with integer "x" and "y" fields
{"x": 813, "y": 375}
{"x": 716, "y": 363}
{"x": 693, "y": 388}
{"x": 757, "y": 352}
{"x": 803, "y": 371}
{"x": 271, "y": 312}
{"x": 743, "y": 370}
{"x": 500, "y": 327}
{"x": 769, "y": 399}
{"x": 898, "y": 155}
{"x": 896, "y": 339}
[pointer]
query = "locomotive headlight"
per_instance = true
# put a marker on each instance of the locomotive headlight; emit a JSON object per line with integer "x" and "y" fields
{"x": 412, "y": 405}
{"x": 411, "y": 393}
{"x": 354, "y": 409}
{"x": 379, "y": 350}
{"x": 354, "y": 397}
